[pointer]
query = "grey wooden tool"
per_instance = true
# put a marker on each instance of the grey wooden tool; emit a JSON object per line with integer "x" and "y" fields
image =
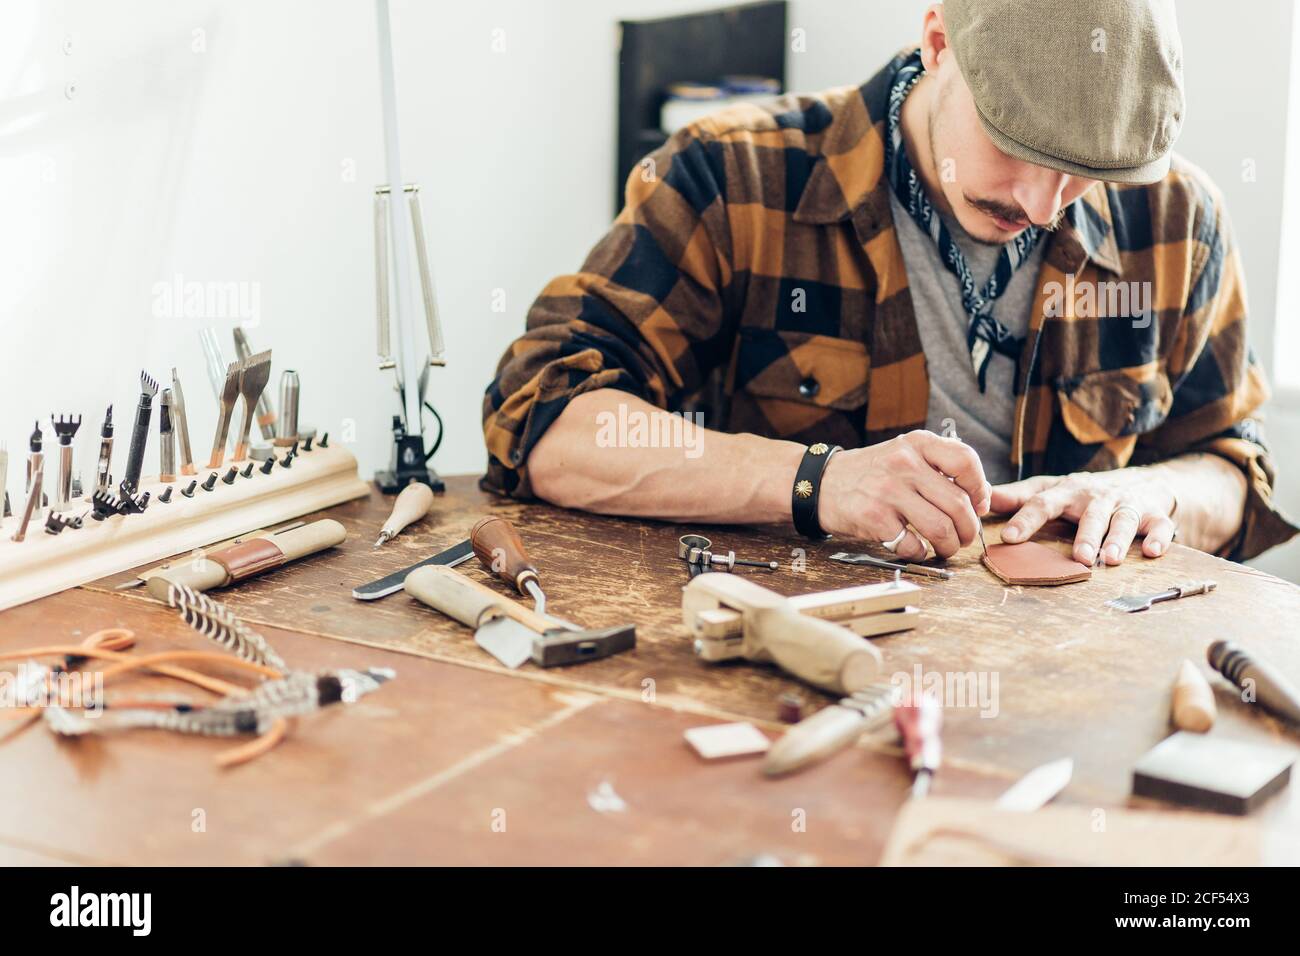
{"x": 1140, "y": 602}
{"x": 831, "y": 729}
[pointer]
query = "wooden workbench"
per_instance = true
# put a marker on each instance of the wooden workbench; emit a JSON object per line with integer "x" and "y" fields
{"x": 460, "y": 761}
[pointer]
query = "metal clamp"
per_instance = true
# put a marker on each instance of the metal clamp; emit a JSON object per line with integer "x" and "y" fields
{"x": 695, "y": 549}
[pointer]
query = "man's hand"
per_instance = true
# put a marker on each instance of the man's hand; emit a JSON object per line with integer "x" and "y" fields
{"x": 936, "y": 485}
{"x": 1110, "y": 507}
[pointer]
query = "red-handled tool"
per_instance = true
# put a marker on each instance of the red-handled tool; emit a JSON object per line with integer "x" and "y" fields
{"x": 918, "y": 720}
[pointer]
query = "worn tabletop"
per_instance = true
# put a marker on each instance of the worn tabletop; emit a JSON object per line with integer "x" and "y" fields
{"x": 459, "y": 760}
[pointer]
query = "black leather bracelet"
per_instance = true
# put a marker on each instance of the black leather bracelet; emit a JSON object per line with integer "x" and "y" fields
{"x": 807, "y": 489}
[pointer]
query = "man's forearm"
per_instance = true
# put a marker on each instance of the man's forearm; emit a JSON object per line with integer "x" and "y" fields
{"x": 1211, "y": 495}
{"x": 598, "y": 456}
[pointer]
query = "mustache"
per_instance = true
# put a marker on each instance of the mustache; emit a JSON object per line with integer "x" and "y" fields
{"x": 1011, "y": 212}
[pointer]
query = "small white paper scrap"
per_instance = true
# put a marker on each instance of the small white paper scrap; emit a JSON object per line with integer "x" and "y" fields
{"x": 727, "y": 740}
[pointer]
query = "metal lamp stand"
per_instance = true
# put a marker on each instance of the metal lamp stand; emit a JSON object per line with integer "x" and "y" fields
{"x": 410, "y": 456}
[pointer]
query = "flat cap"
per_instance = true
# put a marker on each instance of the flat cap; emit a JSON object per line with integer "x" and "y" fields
{"x": 1093, "y": 89}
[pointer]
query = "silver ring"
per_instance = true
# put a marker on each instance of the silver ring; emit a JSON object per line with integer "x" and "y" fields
{"x": 892, "y": 546}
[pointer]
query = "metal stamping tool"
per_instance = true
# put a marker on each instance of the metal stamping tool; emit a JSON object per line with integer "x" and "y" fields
{"x": 65, "y": 429}
{"x": 226, "y": 399}
{"x": 252, "y": 382}
{"x": 1140, "y": 602}
{"x": 696, "y": 550}
{"x": 166, "y": 439}
{"x": 908, "y": 568}
{"x": 35, "y": 461}
{"x": 182, "y": 426}
{"x": 978, "y": 523}
{"x": 139, "y": 436}
{"x": 103, "y": 475}
{"x": 265, "y": 412}
{"x": 33, "y": 496}
{"x": 287, "y": 433}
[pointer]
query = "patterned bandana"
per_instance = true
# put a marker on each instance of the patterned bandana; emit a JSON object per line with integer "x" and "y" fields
{"x": 985, "y": 334}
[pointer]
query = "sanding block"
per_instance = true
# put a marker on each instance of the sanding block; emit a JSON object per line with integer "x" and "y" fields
{"x": 1212, "y": 773}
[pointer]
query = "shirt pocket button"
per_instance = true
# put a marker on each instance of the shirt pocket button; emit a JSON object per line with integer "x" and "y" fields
{"x": 809, "y": 387}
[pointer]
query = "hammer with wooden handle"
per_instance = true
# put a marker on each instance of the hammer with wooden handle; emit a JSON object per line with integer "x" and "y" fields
{"x": 506, "y": 629}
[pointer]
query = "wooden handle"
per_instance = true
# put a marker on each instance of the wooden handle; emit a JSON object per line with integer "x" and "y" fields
{"x": 1194, "y": 708}
{"x": 815, "y": 738}
{"x": 201, "y": 575}
{"x": 499, "y": 549}
{"x": 824, "y": 654}
{"x": 456, "y": 595}
{"x": 310, "y": 538}
{"x": 411, "y": 505}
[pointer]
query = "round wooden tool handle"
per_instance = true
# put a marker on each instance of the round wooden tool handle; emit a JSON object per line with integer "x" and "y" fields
{"x": 411, "y": 505}
{"x": 499, "y": 549}
{"x": 199, "y": 574}
{"x": 461, "y": 597}
{"x": 824, "y": 654}
{"x": 447, "y": 590}
{"x": 310, "y": 538}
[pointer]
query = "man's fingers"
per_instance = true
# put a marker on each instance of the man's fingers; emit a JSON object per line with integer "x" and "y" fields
{"x": 1092, "y": 528}
{"x": 959, "y": 462}
{"x": 1159, "y": 535}
{"x": 933, "y": 525}
{"x": 953, "y": 502}
{"x": 1013, "y": 495}
{"x": 1123, "y": 526}
{"x": 1036, "y": 512}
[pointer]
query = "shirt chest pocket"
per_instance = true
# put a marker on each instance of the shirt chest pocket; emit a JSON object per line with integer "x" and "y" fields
{"x": 803, "y": 368}
{"x": 1102, "y": 406}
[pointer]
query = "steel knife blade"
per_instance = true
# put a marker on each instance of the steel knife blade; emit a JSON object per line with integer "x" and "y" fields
{"x": 389, "y": 584}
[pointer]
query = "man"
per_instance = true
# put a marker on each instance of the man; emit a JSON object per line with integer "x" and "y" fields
{"x": 988, "y": 239}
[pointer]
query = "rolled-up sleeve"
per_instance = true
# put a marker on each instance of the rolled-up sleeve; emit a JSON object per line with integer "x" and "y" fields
{"x": 644, "y": 315}
{"x": 1219, "y": 387}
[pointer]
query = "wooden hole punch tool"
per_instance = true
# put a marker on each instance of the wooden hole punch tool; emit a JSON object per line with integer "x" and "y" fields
{"x": 801, "y": 641}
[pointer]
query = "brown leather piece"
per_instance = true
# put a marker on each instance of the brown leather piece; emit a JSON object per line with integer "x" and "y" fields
{"x": 1032, "y": 563}
{"x": 247, "y": 558}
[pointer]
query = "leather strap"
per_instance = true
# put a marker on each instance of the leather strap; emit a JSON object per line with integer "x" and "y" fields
{"x": 249, "y": 557}
{"x": 807, "y": 490}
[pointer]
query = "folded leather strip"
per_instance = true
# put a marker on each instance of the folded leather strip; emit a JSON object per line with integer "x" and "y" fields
{"x": 1031, "y": 563}
{"x": 247, "y": 558}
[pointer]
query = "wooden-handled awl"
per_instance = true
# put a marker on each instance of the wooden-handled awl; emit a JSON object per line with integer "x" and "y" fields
{"x": 411, "y": 505}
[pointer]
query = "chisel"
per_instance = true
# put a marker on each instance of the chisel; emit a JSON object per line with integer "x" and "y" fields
{"x": 500, "y": 550}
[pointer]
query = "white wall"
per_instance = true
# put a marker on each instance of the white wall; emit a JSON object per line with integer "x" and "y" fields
{"x": 239, "y": 142}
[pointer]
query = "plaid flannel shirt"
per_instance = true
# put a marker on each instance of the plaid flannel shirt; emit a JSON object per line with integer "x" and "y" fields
{"x": 755, "y": 276}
